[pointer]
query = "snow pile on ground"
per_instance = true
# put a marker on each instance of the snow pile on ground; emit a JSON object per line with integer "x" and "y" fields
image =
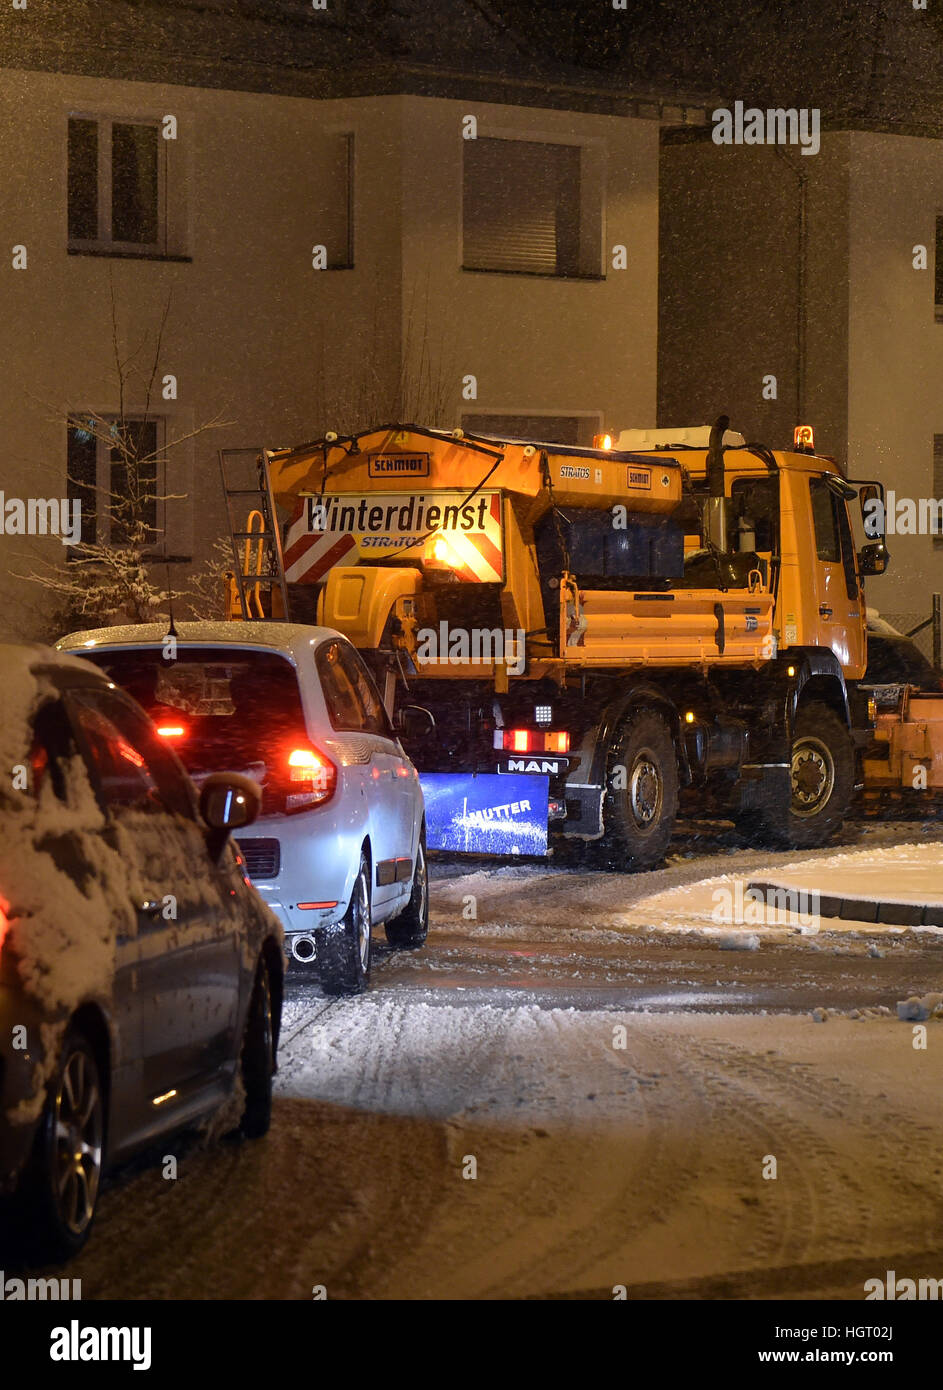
{"x": 916, "y": 1008}
{"x": 738, "y": 941}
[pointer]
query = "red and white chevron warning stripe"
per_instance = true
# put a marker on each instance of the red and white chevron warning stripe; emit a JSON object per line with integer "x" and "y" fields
{"x": 310, "y": 554}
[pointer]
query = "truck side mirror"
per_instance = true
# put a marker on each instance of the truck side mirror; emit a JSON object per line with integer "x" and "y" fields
{"x": 412, "y": 721}
{"x": 873, "y": 558}
{"x": 871, "y": 502}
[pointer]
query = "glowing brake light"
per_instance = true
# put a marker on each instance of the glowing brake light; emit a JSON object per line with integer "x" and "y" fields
{"x": 4, "y": 923}
{"x": 602, "y": 441}
{"x": 804, "y": 439}
{"x": 171, "y": 730}
{"x": 312, "y": 778}
{"x": 532, "y": 740}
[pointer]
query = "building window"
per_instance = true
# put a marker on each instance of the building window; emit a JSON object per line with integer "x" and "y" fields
{"x": 335, "y": 202}
{"x": 120, "y": 485}
{"x": 529, "y": 208}
{"x": 937, "y": 531}
{"x": 117, "y": 186}
{"x": 573, "y": 430}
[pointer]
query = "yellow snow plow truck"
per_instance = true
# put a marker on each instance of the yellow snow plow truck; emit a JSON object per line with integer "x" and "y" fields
{"x": 570, "y": 639}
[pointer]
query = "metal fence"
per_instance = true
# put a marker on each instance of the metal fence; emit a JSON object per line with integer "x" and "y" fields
{"x": 926, "y": 629}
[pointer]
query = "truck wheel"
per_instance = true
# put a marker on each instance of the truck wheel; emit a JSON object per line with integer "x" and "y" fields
{"x": 343, "y": 951}
{"x": 822, "y": 781}
{"x": 408, "y": 931}
{"x": 642, "y": 791}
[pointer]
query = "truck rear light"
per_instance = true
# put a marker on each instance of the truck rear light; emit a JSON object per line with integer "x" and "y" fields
{"x": 532, "y": 740}
{"x": 312, "y": 778}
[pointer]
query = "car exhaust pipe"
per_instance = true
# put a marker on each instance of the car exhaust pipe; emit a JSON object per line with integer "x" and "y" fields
{"x": 303, "y": 948}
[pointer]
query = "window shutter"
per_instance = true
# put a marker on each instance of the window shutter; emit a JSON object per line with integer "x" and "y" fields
{"x": 521, "y": 207}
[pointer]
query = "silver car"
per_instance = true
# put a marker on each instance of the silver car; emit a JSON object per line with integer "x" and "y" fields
{"x": 340, "y": 845}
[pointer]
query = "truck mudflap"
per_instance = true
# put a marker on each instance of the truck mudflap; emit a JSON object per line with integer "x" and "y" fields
{"x": 486, "y": 813}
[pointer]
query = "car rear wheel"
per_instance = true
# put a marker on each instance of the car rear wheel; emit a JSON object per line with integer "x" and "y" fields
{"x": 408, "y": 931}
{"x": 61, "y": 1187}
{"x": 258, "y": 1059}
{"x": 343, "y": 953}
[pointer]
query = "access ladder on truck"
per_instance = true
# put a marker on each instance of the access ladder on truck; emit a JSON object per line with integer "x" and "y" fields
{"x": 258, "y": 561}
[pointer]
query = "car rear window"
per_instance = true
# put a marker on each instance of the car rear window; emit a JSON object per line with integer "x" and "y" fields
{"x": 220, "y": 712}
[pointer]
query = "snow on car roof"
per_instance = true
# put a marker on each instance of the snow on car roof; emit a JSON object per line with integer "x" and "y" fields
{"x": 287, "y": 638}
{"x": 25, "y": 684}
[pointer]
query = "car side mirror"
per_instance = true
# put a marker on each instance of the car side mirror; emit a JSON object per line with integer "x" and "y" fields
{"x": 228, "y": 801}
{"x": 414, "y": 720}
{"x": 873, "y": 558}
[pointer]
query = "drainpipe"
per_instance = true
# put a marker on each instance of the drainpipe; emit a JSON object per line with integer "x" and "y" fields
{"x": 802, "y": 232}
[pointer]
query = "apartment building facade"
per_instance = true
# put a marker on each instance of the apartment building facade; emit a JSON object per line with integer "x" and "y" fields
{"x": 224, "y": 259}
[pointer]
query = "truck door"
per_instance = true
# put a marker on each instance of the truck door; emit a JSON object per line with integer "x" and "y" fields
{"x": 839, "y": 601}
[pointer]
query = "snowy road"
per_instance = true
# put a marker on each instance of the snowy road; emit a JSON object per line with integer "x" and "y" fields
{"x": 617, "y": 1077}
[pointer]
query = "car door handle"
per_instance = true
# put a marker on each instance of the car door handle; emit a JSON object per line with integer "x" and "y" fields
{"x": 825, "y": 611}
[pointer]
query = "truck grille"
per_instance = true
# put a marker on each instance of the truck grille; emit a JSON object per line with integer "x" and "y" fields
{"x": 262, "y": 856}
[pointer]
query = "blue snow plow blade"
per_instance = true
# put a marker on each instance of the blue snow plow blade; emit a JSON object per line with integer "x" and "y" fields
{"x": 486, "y": 813}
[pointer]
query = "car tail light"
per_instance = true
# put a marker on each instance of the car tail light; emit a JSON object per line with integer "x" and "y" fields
{"x": 171, "y": 730}
{"x": 532, "y": 740}
{"x": 312, "y": 779}
{"x": 4, "y": 922}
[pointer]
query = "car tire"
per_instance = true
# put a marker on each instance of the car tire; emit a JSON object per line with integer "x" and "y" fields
{"x": 343, "y": 957}
{"x": 258, "y": 1058}
{"x": 60, "y": 1189}
{"x": 409, "y": 930}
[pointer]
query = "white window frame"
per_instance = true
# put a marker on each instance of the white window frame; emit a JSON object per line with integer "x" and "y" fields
{"x": 104, "y": 240}
{"x": 103, "y": 516}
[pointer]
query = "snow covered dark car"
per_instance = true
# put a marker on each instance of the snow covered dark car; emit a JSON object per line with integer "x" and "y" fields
{"x": 140, "y": 974}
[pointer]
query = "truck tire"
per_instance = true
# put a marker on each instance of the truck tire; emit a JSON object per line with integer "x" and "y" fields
{"x": 641, "y": 791}
{"x": 822, "y": 781}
